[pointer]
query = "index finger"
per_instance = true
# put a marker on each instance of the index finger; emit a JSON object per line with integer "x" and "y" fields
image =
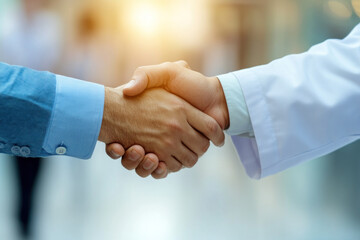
{"x": 205, "y": 124}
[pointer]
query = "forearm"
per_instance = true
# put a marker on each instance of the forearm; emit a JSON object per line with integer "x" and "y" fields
{"x": 26, "y": 100}
{"x": 301, "y": 106}
{"x": 48, "y": 114}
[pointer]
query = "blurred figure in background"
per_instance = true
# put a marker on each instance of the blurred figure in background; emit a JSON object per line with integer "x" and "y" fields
{"x": 32, "y": 38}
{"x": 216, "y": 200}
{"x": 92, "y": 53}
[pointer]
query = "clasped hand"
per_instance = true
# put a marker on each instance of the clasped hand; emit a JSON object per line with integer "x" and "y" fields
{"x": 165, "y": 118}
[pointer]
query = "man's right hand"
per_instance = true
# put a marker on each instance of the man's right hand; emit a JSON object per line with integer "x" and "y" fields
{"x": 162, "y": 123}
{"x": 204, "y": 93}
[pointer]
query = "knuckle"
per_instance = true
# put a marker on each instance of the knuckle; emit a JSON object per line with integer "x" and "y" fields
{"x": 190, "y": 160}
{"x": 109, "y": 154}
{"x": 205, "y": 147}
{"x": 141, "y": 173}
{"x": 178, "y": 105}
{"x": 161, "y": 155}
{"x": 126, "y": 165}
{"x": 140, "y": 71}
{"x": 169, "y": 143}
{"x": 184, "y": 63}
{"x": 156, "y": 176}
{"x": 159, "y": 176}
{"x": 175, "y": 126}
{"x": 109, "y": 149}
{"x": 222, "y": 138}
{"x": 167, "y": 64}
{"x": 182, "y": 105}
{"x": 175, "y": 168}
{"x": 211, "y": 126}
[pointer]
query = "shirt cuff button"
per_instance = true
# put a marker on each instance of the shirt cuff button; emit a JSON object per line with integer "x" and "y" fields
{"x": 15, "y": 150}
{"x": 61, "y": 150}
{"x": 25, "y": 151}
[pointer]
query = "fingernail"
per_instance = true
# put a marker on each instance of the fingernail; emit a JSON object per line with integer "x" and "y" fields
{"x": 115, "y": 155}
{"x": 133, "y": 156}
{"x": 130, "y": 84}
{"x": 148, "y": 164}
{"x": 159, "y": 171}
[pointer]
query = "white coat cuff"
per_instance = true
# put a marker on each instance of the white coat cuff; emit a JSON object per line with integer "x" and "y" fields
{"x": 264, "y": 146}
{"x": 238, "y": 113}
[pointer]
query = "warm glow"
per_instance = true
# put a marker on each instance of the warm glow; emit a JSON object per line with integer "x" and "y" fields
{"x": 144, "y": 18}
{"x": 356, "y": 6}
{"x": 186, "y": 22}
{"x": 177, "y": 22}
{"x": 339, "y": 9}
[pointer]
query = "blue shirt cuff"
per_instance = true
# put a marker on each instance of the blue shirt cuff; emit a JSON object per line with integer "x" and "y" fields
{"x": 240, "y": 123}
{"x": 76, "y": 118}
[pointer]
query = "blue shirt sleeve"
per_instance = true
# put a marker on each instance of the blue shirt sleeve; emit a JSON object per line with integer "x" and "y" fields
{"x": 26, "y": 102}
{"x": 76, "y": 118}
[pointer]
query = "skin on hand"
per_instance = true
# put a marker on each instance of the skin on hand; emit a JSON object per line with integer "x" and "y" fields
{"x": 160, "y": 122}
{"x": 205, "y": 93}
{"x": 135, "y": 158}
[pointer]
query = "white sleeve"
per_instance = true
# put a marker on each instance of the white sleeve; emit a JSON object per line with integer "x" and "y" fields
{"x": 301, "y": 106}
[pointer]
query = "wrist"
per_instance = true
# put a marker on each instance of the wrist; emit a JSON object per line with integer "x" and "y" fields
{"x": 220, "y": 103}
{"x": 112, "y": 98}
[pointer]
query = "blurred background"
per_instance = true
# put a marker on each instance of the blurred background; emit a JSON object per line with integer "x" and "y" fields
{"x": 104, "y": 41}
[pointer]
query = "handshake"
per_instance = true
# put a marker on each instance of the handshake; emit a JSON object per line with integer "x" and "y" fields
{"x": 163, "y": 119}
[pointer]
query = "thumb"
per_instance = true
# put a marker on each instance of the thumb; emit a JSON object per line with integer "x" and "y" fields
{"x": 149, "y": 77}
{"x": 137, "y": 85}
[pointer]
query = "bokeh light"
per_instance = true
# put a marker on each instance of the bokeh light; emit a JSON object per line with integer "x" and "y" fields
{"x": 340, "y": 9}
{"x": 356, "y": 6}
{"x": 104, "y": 41}
{"x": 144, "y": 18}
{"x": 182, "y": 23}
